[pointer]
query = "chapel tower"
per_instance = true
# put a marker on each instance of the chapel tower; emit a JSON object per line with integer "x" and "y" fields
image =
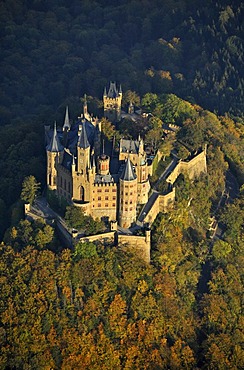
{"x": 112, "y": 103}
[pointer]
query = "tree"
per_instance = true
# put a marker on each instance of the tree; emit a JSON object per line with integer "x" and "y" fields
{"x": 84, "y": 250}
{"x": 108, "y": 129}
{"x": 131, "y": 97}
{"x": 30, "y": 188}
{"x": 75, "y": 217}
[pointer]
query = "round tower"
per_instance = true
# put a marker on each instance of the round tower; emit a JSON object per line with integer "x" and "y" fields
{"x": 55, "y": 151}
{"x": 103, "y": 164}
{"x": 128, "y": 196}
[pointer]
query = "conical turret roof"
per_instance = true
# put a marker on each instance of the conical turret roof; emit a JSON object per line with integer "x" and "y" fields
{"x": 55, "y": 145}
{"x": 66, "y": 120}
{"x": 128, "y": 174}
{"x": 83, "y": 140}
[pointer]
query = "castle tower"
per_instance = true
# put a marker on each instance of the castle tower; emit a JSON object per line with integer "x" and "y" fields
{"x": 55, "y": 151}
{"x": 103, "y": 164}
{"x": 128, "y": 196}
{"x": 112, "y": 103}
{"x": 83, "y": 151}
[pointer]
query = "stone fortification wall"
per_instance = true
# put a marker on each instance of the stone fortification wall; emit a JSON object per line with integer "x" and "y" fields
{"x": 140, "y": 245}
{"x": 105, "y": 238}
{"x": 193, "y": 168}
{"x": 161, "y": 204}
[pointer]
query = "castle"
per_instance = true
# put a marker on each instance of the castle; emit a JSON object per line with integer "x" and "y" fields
{"x": 109, "y": 184}
{"x": 86, "y": 175}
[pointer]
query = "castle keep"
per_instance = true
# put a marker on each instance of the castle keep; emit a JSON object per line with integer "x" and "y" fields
{"x": 79, "y": 170}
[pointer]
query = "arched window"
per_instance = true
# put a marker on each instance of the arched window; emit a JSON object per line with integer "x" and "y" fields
{"x": 82, "y": 193}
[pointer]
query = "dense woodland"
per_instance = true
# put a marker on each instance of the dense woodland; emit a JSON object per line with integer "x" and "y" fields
{"x": 52, "y": 52}
{"x": 97, "y": 307}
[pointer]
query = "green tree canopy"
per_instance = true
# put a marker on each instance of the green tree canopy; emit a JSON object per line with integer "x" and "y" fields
{"x": 30, "y": 188}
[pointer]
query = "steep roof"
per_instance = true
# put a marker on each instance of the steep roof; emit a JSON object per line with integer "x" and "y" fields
{"x": 128, "y": 173}
{"x": 83, "y": 140}
{"x": 113, "y": 92}
{"x": 55, "y": 145}
{"x": 131, "y": 146}
{"x": 66, "y": 120}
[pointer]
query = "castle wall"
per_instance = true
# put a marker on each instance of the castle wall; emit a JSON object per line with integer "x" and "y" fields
{"x": 105, "y": 238}
{"x": 161, "y": 204}
{"x": 193, "y": 168}
{"x": 140, "y": 245}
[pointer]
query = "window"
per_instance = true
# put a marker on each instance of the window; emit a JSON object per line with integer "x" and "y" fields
{"x": 106, "y": 190}
{"x": 99, "y": 190}
{"x": 99, "y": 198}
{"x": 106, "y": 204}
{"x": 114, "y": 198}
{"x": 114, "y": 190}
{"x": 113, "y": 204}
{"x": 99, "y": 205}
{"x": 131, "y": 193}
{"x": 106, "y": 198}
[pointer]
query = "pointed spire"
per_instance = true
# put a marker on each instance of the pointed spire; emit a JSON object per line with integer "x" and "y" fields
{"x": 120, "y": 89}
{"x": 93, "y": 161}
{"x": 128, "y": 174}
{"x": 85, "y": 111}
{"x": 66, "y": 125}
{"x": 105, "y": 91}
{"x": 83, "y": 140}
{"x": 55, "y": 145}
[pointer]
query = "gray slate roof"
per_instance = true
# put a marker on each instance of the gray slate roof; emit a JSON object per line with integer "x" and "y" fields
{"x": 128, "y": 173}
{"x": 55, "y": 145}
{"x": 66, "y": 120}
{"x": 83, "y": 140}
{"x": 131, "y": 146}
{"x": 113, "y": 92}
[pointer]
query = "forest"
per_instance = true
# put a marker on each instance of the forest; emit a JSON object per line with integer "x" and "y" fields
{"x": 96, "y": 306}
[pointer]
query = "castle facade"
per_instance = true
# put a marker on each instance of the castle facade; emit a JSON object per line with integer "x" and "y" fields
{"x": 86, "y": 175}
